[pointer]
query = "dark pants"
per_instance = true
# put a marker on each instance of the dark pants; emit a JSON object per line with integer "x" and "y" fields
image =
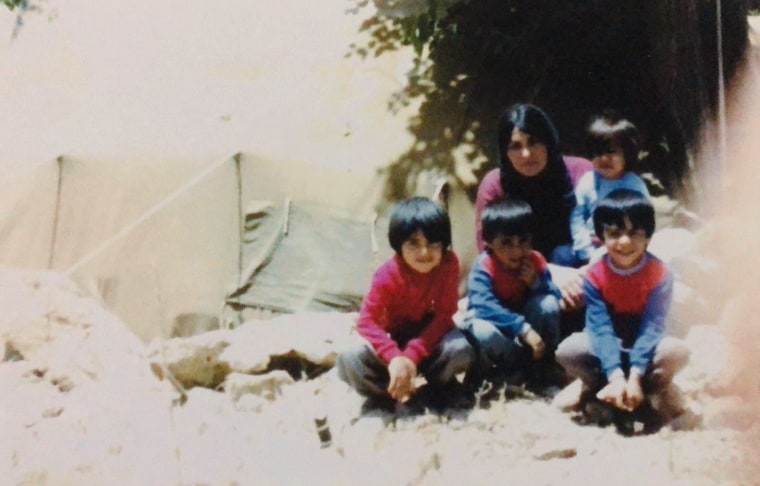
{"x": 509, "y": 354}
{"x": 367, "y": 373}
{"x": 565, "y": 256}
{"x": 575, "y": 355}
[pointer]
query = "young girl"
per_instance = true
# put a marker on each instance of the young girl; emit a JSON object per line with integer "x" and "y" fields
{"x": 613, "y": 144}
{"x": 406, "y": 318}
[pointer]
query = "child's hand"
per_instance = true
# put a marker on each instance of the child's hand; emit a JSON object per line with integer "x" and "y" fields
{"x": 615, "y": 393}
{"x": 533, "y": 339}
{"x": 528, "y": 273}
{"x": 402, "y": 371}
{"x": 634, "y": 394}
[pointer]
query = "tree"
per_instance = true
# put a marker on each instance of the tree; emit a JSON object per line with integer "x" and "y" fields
{"x": 14, "y": 4}
{"x": 22, "y": 7}
{"x": 654, "y": 62}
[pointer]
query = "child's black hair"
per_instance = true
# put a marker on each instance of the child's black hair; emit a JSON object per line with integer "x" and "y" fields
{"x": 419, "y": 213}
{"x": 624, "y": 203}
{"x": 509, "y": 217}
{"x": 609, "y": 129}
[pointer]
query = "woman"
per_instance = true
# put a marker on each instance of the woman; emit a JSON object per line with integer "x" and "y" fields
{"x": 533, "y": 169}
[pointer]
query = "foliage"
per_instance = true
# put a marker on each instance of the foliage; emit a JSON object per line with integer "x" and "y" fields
{"x": 22, "y": 7}
{"x": 652, "y": 62}
{"x": 13, "y": 4}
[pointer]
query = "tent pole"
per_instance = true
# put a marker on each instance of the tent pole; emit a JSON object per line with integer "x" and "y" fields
{"x": 723, "y": 144}
{"x": 56, "y": 213}
{"x": 225, "y": 323}
{"x": 241, "y": 217}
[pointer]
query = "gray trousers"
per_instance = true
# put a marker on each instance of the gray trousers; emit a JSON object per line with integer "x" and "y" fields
{"x": 367, "y": 373}
{"x": 508, "y": 354}
{"x": 575, "y": 355}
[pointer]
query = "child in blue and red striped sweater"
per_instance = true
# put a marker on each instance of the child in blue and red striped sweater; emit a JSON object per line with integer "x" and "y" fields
{"x": 624, "y": 352}
{"x": 513, "y": 305}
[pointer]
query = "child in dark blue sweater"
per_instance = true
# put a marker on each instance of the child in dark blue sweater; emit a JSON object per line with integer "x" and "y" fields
{"x": 513, "y": 305}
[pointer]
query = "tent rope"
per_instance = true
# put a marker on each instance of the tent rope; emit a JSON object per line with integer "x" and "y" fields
{"x": 146, "y": 215}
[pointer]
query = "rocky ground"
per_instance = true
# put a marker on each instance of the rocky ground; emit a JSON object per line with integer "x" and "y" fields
{"x": 83, "y": 401}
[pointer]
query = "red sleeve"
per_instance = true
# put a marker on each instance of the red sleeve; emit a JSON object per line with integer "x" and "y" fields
{"x": 489, "y": 190}
{"x": 445, "y": 297}
{"x": 373, "y": 317}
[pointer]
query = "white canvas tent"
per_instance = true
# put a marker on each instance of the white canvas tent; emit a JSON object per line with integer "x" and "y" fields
{"x": 160, "y": 242}
{"x": 134, "y": 136}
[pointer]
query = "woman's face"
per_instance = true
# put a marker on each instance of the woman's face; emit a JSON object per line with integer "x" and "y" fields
{"x": 527, "y": 155}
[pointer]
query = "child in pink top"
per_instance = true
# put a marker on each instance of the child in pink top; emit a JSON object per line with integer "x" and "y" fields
{"x": 406, "y": 318}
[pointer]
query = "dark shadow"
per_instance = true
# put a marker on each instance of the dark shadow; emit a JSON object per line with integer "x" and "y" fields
{"x": 653, "y": 62}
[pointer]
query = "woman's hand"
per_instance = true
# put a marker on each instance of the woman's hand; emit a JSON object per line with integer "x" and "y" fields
{"x": 572, "y": 296}
{"x": 570, "y": 284}
{"x": 402, "y": 371}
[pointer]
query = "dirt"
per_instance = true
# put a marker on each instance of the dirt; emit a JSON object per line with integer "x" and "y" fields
{"x": 80, "y": 405}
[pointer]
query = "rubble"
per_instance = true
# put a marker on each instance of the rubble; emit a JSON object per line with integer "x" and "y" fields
{"x": 228, "y": 405}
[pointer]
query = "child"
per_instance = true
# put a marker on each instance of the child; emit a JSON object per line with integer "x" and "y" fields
{"x": 513, "y": 306}
{"x": 623, "y": 352}
{"x": 407, "y": 317}
{"x": 613, "y": 145}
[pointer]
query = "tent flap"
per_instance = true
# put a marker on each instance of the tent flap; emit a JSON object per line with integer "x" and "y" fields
{"x": 301, "y": 256}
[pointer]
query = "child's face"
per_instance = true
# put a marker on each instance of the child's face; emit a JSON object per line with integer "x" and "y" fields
{"x": 420, "y": 254}
{"x": 625, "y": 246}
{"x": 527, "y": 155}
{"x": 510, "y": 251}
{"x": 610, "y": 165}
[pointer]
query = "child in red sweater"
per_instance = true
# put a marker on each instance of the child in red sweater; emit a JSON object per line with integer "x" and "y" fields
{"x": 406, "y": 318}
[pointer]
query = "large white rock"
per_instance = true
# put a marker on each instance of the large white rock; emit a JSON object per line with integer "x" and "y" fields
{"x": 206, "y": 359}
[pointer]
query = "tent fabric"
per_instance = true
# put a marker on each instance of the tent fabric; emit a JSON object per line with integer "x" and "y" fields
{"x": 310, "y": 124}
{"x": 307, "y": 257}
{"x": 186, "y": 254}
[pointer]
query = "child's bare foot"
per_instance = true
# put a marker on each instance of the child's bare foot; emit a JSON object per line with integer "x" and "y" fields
{"x": 572, "y": 397}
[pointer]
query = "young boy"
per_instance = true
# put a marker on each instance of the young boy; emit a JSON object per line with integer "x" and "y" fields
{"x": 612, "y": 143}
{"x": 513, "y": 306}
{"x": 407, "y": 317}
{"x": 623, "y": 352}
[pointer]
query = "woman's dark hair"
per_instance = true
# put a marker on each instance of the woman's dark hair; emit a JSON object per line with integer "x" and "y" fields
{"x": 550, "y": 193}
{"x": 610, "y": 129}
{"x": 624, "y": 203}
{"x": 419, "y": 213}
{"x": 509, "y": 217}
{"x": 531, "y": 120}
